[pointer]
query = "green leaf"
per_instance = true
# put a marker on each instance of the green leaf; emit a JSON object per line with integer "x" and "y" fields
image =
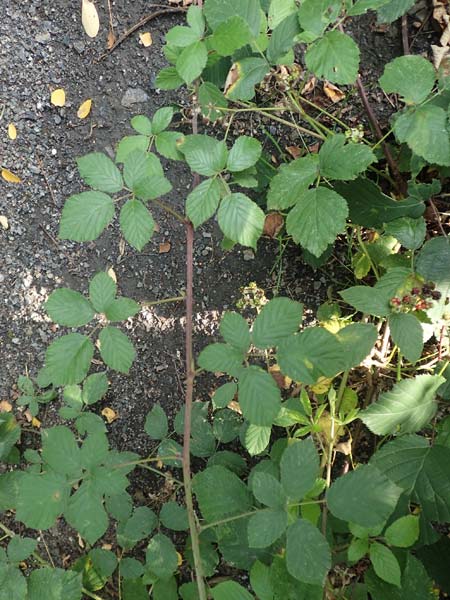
{"x": 221, "y": 357}
{"x": 182, "y": 36}
{"x": 308, "y": 555}
{"x": 142, "y": 125}
{"x": 231, "y": 35}
{"x": 173, "y": 516}
{"x": 266, "y": 527}
{"x": 134, "y": 589}
{"x": 99, "y": 171}
{"x": 129, "y": 144}
{"x": 165, "y": 589}
{"x": 362, "y": 6}
{"x": 130, "y": 568}
{"x": 357, "y": 341}
{"x": 69, "y": 308}
{"x": 204, "y": 154}
{"x": 342, "y": 160}
{"x": 403, "y": 532}
{"x": 136, "y": 223}
{"x": 230, "y": 460}
{"x": 9, "y": 434}
{"x": 102, "y": 291}
{"x": 147, "y": 175}
{"x": 85, "y": 216}
{"x": 13, "y": 585}
{"x": 365, "y": 496}
{"x": 311, "y": 354}
{"x": 292, "y": 181}
{"x": 41, "y": 498}
{"x": 315, "y": 16}
{"x": 277, "y": 320}
{"x": 259, "y": 396}
{"x": 367, "y": 300}
{"x": 268, "y": 490}
{"x": 104, "y": 561}
{"x": 434, "y": 260}
{"x": 407, "y": 334}
{"x": 234, "y": 330}
{"x": 249, "y": 72}
{"x": 240, "y": 219}
{"x": 245, "y": 153}
{"x": 86, "y": 514}
{"x": 211, "y": 100}
{"x": 316, "y": 219}
{"x": 68, "y": 359}
{"x": 260, "y": 581}
{"x": 394, "y": 9}
{"x": 299, "y": 468}
{"x": 54, "y": 584}
{"x": 384, "y": 563}
{"x": 140, "y": 525}
{"x": 257, "y": 439}
{"x": 60, "y": 451}
{"x": 156, "y": 424}
{"x": 218, "y": 11}
{"x": 230, "y": 590}
{"x": 122, "y": 309}
{"x": 203, "y": 201}
{"x": 412, "y": 77}
{"x": 169, "y": 79}
{"x": 166, "y": 144}
{"x": 334, "y": 57}
{"x": 408, "y": 407}
{"x": 196, "y": 19}
{"x": 282, "y": 38}
{"x": 89, "y": 422}
{"x": 220, "y": 493}
{"x": 357, "y": 549}
{"x": 20, "y": 548}
{"x": 161, "y": 556}
{"x": 424, "y": 129}
{"x": 116, "y": 349}
{"x": 192, "y": 61}
{"x": 224, "y": 395}
{"x": 409, "y": 232}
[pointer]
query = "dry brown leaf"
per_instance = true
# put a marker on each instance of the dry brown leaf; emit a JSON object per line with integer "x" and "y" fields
{"x": 85, "y": 109}
{"x": 146, "y": 39}
{"x": 273, "y": 224}
{"x": 333, "y": 92}
{"x": 111, "y": 40}
{"x": 10, "y": 177}
{"x": 89, "y": 18}
{"x": 294, "y": 151}
{"x": 58, "y": 97}
{"x": 112, "y": 274}
{"x": 4, "y": 222}
{"x": 28, "y": 416}
{"x": 80, "y": 541}
{"x": 232, "y": 77}
{"x": 309, "y": 85}
{"x": 314, "y": 148}
{"x": 164, "y": 247}
{"x": 35, "y": 422}
{"x": 235, "y": 406}
{"x": 12, "y": 131}
{"x": 109, "y": 414}
{"x": 344, "y": 447}
{"x": 5, "y": 406}
{"x": 106, "y": 546}
{"x": 283, "y": 382}
{"x": 440, "y": 56}
{"x": 157, "y": 228}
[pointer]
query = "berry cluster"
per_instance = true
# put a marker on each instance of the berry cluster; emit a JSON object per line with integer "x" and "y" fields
{"x": 418, "y": 299}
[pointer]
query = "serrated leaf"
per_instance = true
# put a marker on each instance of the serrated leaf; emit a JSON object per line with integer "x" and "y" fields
{"x": 166, "y": 144}
{"x": 54, "y": 584}
{"x": 94, "y": 388}
{"x": 122, "y": 309}
{"x": 221, "y": 357}
{"x": 129, "y": 144}
{"x": 116, "y": 349}
{"x": 358, "y": 549}
{"x": 257, "y": 439}
{"x": 140, "y": 525}
{"x": 434, "y": 260}
{"x": 393, "y": 9}
{"x": 260, "y": 581}
{"x": 99, "y": 171}
{"x": 407, "y": 334}
{"x": 234, "y": 330}
{"x": 268, "y": 490}
{"x": 245, "y": 153}
{"x": 365, "y": 496}
{"x": 85, "y": 216}
{"x": 102, "y": 291}
{"x": 182, "y": 36}
{"x": 277, "y": 320}
{"x": 69, "y": 308}
{"x": 211, "y": 100}
{"x": 230, "y": 590}
{"x": 315, "y": 16}
{"x": 334, "y": 57}
{"x": 403, "y": 532}
{"x": 408, "y": 407}
{"x": 362, "y": 6}
{"x": 192, "y": 61}
{"x": 41, "y": 498}
{"x": 218, "y": 11}
{"x": 367, "y": 300}
{"x": 136, "y": 223}
{"x": 409, "y": 232}
{"x": 169, "y": 79}
{"x": 162, "y": 119}
{"x": 204, "y": 154}
{"x": 259, "y": 396}
{"x": 142, "y": 125}
{"x": 357, "y": 341}
{"x": 230, "y": 35}
{"x": 299, "y": 468}
{"x": 292, "y": 181}
{"x": 240, "y": 219}
{"x": 385, "y": 564}
{"x": 86, "y": 514}
{"x": 161, "y": 556}
{"x": 173, "y": 516}
{"x": 316, "y": 219}
{"x": 60, "y": 451}
{"x": 156, "y": 425}
{"x": 68, "y": 359}
{"x": 243, "y": 76}
{"x": 282, "y": 38}
{"x": 412, "y": 77}
{"x": 224, "y": 395}
{"x": 20, "y": 548}
{"x": 203, "y": 201}
{"x": 265, "y": 527}
{"x": 342, "y": 160}
{"x": 308, "y": 555}
{"x": 220, "y": 493}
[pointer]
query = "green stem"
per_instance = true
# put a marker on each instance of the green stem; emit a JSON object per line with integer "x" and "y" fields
{"x": 364, "y": 249}
{"x": 341, "y": 390}
{"x": 178, "y": 216}
{"x": 91, "y": 595}
{"x": 399, "y": 366}
{"x": 164, "y": 301}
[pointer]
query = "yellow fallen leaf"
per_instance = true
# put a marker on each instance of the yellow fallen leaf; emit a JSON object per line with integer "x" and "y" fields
{"x": 12, "y": 131}
{"x": 4, "y": 222}
{"x": 109, "y": 414}
{"x": 85, "y": 109}
{"x": 89, "y": 18}
{"x": 35, "y": 422}
{"x": 10, "y": 177}
{"x": 5, "y": 406}
{"x": 146, "y": 39}
{"x": 58, "y": 97}
{"x": 179, "y": 559}
{"x": 112, "y": 274}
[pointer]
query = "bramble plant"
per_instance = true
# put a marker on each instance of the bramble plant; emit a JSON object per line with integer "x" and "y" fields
{"x": 323, "y": 453}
